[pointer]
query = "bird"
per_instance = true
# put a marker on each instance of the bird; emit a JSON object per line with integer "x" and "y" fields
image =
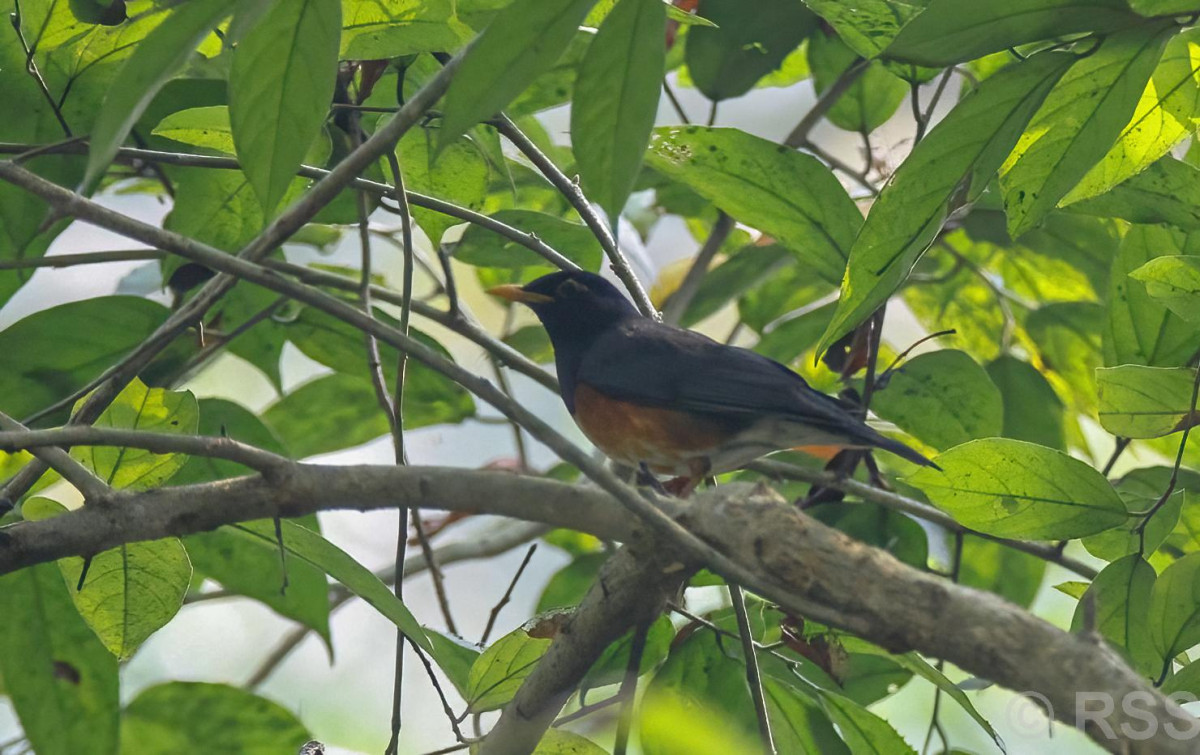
{"x": 672, "y": 401}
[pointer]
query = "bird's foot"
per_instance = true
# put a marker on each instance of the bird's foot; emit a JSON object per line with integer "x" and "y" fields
{"x": 647, "y": 478}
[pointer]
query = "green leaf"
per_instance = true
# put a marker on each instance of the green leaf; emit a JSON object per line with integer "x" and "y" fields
{"x": 1164, "y": 7}
{"x": 785, "y": 194}
{"x": 188, "y": 716}
{"x": 1174, "y": 616}
{"x": 458, "y": 173}
{"x": 1187, "y": 679}
{"x": 886, "y": 529}
{"x": 497, "y": 674}
{"x": 960, "y": 154}
{"x": 154, "y": 61}
{"x": 305, "y": 544}
{"x": 610, "y": 667}
{"x": 1141, "y": 330}
{"x": 88, "y": 336}
{"x": 867, "y": 26}
{"x": 1078, "y": 123}
{"x": 378, "y": 29}
{"x": 616, "y": 100}
{"x": 1140, "y": 490}
{"x": 1032, "y": 410}
{"x": 523, "y": 40}
{"x": 673, "y": 723}
{"x": 1166, "y": 192}
{"x": 1067, "y": 335}
{"x": 149, "y": 410}
{"x": 787, "y": 340}
{"x": 280, "y": 87}
{"x": 63, "y": 682}
{"x": 950, "y": 31}
{"x": 328, "y": 413}
{"x": 454, "y": 657}
{"x": 1011, "y": 574}
{"x": 1174, "y": 281}
{"x": 733, "y": 277}
{"x": 568, "y": 585}
{"x": 1121, "y": 592}
{"x": 484, "y": 248}
{"x": 863, "y": 731}
{"x": 561, "y": 742}
{"x": 870, "y": 101}
{"x": 942, "y": 399}
{"x": 251, "y": 566}
{"x": 1010, "y": 488}
{"x": 726, "y": 60}
{"x": 131, "y": 591}
{"x": 1145, "y": 402}
{"x": 1167, "y": 112}
{"x": 204, "y": 127}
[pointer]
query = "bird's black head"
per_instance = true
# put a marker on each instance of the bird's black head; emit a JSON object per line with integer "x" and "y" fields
{"x": 574, "y": 307}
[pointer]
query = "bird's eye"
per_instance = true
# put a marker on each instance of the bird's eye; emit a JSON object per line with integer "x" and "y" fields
{"x": 570, "y": 288}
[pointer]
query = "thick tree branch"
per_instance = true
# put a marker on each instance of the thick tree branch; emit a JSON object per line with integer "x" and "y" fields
{"x": 91, "y": 486}
{"x": 795, "y": 561}
{"x": 632, "y": 590}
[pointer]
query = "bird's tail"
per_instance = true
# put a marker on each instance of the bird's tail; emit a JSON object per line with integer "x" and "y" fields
{"x": 873, "y": 438}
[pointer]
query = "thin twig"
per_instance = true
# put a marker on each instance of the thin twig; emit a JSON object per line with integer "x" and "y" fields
{"x": 628, "y": 690}
{"x": 828, "y": 99}
{"x": 753, "y": 677}
{"x": 574, "y": 195}
{"x": 88, "y": 258}
{"x": 436, "y": 576}
{"x": 934, "y": 722}
{"x": 1140, "y": 529}
{"x": 915, "y": 508}
{"x": 675, "y": 103}
{"x": 32, "y": 69}
{"x": 437, "y": 686}
{"x": 587, "y": 710}
{"x": 676, "y": 306}
{"x": 491, "y": 622}
{"x": 84, "y": 480}
{"x": 1118, "y": 449}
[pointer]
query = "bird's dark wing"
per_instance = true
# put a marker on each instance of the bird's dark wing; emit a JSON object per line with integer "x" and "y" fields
{"x": 649, "y": 363}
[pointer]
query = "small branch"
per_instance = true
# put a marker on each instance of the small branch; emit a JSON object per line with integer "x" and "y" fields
{"x": 753, "y": 678}
{"x": 570, "y": 189}
{"x": 628, "y": 690}
{"x": 32, "y": 69}
{"x": 677, "y": 304}
{"x": 828, "y": 99}
{"x": 1118, "y": 449}
{"x": 92, "y": 487}
{"x": 675, "y": 104}
{"x": 437, "y": 686}
{"x": 916, "y": 509}
{"x": 436, "y": 576}
{"x": 214, "y": 447}
{"x": 495, "y": 613}
{"x": 631, "y": 590}
{"x": 1140, "y": 529}
{"x": 89, "y": 258}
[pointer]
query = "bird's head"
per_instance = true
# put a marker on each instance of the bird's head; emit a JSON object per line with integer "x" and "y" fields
{"x": 574, "y": 307}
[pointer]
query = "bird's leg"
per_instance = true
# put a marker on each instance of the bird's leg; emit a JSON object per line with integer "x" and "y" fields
{"x": 698, "y": 469}
{"x": 842, "y": 465}
{"x": 873, "y": 473}
{"x": 647, "y": 478}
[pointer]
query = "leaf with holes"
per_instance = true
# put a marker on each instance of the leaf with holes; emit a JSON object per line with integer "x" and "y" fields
{"x": 783, "y": 193}
{"x": 1078, "y": 123}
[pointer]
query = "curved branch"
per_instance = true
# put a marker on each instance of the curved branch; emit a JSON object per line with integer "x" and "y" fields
{"x": 87, "y": 483}
{"x": 214, "y": 447}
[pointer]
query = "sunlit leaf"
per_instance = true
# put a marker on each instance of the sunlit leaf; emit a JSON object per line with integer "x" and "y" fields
{"x": 1011, "y": 488}
{"x": 376, "y": 29}
{"x": 1145, "y": 402}
{"x": 1166, "y": 192}
{"x": 1079, "y": 121}
{"x": 1173, "y": 281}
{"x": 960, "y": 154}
{"x": 1121, "y": 592}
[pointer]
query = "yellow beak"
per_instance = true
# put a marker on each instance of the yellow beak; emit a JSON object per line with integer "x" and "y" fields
{"x": 513, "y": 292}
